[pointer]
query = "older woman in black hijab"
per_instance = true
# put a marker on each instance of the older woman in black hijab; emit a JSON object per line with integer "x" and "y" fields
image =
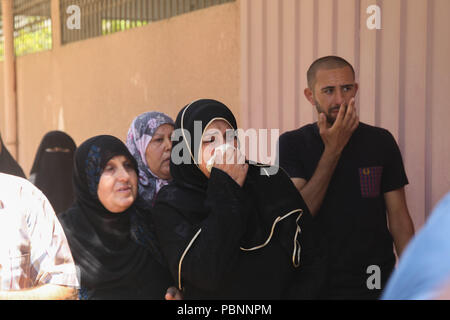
{"x": 235, "y": 232}
{"x": 7, "y": 163}
{"x": 99, "y": 226}
{"x": 52, "y": 169}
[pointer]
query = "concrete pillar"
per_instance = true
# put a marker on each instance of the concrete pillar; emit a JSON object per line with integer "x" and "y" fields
{"x": 10, "y": 133}
{"x": 56, "y": 24}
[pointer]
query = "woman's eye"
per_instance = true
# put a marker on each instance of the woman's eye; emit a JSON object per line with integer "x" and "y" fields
{"x": 209, "y": 140}
{"x": 157, "y": 139}
{"x": 109, "y": 168}
{"x": 128, "y": 165}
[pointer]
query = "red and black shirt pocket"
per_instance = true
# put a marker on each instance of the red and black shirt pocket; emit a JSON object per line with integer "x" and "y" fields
{"x": 370, "y": 181}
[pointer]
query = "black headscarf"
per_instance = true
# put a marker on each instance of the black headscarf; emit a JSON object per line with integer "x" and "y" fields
{"x": 101, "y": 242}
{"x": 8, "y": 164}
{"x": 52, "y": 169}
{"x": 191, "y": 121}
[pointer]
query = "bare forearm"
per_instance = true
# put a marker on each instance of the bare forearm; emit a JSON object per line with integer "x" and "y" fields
{"x": 400, "y": 222}
{"x": 402, "y": 232}
{"x": 313, "y": 192}
{"x": 45, "y": 292}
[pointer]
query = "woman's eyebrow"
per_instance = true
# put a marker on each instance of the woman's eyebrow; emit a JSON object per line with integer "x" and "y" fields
{"x": 158, "y": 135}
{"x": 207, "y": 136}
{"x": 210, "y": 132}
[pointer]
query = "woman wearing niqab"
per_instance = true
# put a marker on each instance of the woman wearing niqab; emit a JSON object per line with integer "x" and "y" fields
{"x": 52, "y": 169}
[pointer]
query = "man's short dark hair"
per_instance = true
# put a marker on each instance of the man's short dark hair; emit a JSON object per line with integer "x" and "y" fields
{"x": 328, "y": 62}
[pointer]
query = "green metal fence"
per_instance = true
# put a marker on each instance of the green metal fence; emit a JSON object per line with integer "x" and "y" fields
{"x": 32, "y": 26}
{"x": 84, "y": 19}
{"x": 102, "y": 17}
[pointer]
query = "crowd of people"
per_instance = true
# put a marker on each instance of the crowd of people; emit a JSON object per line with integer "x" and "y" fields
{"x": 179, "y": 212}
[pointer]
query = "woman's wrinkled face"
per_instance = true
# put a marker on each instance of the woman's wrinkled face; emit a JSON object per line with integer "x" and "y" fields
{"x": 217, "y": 133}
{"x": 118, "y": 188}
{"x": 159, "y": 150}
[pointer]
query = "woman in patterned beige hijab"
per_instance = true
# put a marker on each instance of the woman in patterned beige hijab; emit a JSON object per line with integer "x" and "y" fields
{"x": 149, "y": 141}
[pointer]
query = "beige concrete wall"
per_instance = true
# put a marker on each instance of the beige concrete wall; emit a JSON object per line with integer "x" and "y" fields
{"x": 99, "y": 85}
{"x": 403, "y": 70}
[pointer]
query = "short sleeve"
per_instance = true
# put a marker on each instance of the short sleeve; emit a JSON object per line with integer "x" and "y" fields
{"x": 289, "y": 151}
{"x": 394, "y": 175}
{"x": 50, "y": 256}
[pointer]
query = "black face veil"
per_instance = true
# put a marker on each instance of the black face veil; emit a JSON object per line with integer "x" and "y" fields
{"x": 52, "y": 169}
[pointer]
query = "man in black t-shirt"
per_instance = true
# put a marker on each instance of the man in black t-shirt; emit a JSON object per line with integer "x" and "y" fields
{"x": 350, "y": 174}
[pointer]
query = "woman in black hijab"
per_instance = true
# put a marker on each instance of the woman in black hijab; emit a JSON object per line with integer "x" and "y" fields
{"x": 7, "y": 163}
{"x": 235, "y": 232}
{"x": 52, "y": 169}
{"x": 99, "y": 226}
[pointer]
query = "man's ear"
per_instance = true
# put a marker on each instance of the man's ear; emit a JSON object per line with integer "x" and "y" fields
{"x": 356, "y": 88}
{"x": 309, "y": 95}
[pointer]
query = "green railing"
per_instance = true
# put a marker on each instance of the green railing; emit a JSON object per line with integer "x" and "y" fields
{"x": 33, "y": 24}
{"x": 102, "y": 17}
{"x": 32, "y": 27}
